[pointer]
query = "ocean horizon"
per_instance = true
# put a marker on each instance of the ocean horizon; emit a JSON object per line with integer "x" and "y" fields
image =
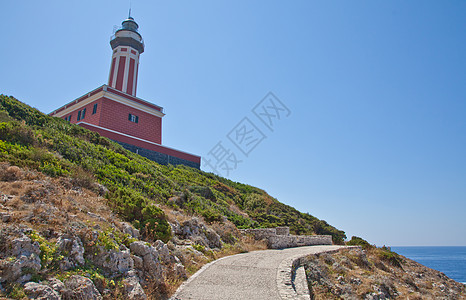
{"x": 450, "y": 260}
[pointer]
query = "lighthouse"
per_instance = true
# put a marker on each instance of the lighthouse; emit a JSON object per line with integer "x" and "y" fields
{"x": 127, "y": 44}
{"x": 114, "y": 111}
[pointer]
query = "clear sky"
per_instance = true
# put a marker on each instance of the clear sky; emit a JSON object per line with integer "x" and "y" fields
{"x": 374, "y": 141}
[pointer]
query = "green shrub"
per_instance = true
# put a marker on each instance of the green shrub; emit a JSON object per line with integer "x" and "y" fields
{"x": 151, "y": 220}
{"x": 357, "y": 241}
{"x": 16, "y": 291}
{"x": 211, "y": 216}
{"x": 17, "y": 133}
{"x": 48, "y": 251}
{"x": 389, "y": 256}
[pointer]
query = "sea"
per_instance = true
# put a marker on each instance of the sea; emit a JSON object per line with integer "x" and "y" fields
{"x": 449, "y": 260}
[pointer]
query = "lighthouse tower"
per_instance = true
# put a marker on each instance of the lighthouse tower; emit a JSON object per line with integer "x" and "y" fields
{"x": 127, "y": 44}
{"x": 115, "y": 112}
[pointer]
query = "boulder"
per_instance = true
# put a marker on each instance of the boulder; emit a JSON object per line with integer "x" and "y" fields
{"x": 133, "y": 289}
{"x": 213, "y": 239}
{"x": 56, "y": 285}
{"x": 198, "y": 232}
{"x": 40, "y": 291}
{"x": 179, "y": 271}
{"x": 26, "y": 257}
{"x": 150, "y": 257}
{"x": 116, "y": 261}
{"x": 80, "y": 287}
{"x": 74, "y": 250}
{"x": 129, "y": 229}
{"x": 164, "y": 252}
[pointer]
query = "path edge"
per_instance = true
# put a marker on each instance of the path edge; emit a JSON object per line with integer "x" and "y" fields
{"x": 287, "y": 270}
{"x": 200, "y": 271}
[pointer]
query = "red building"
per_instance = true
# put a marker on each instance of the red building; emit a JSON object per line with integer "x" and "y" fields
{"x": 115, "y": 112}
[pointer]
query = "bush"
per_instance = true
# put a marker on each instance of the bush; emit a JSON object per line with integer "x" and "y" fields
{"x": 357, "y": 241}
{"x": 389, "y": 256}
{"x": 147, "y": 217}
{"x": 17, "y": 133}
{"x": 211, "y": 216}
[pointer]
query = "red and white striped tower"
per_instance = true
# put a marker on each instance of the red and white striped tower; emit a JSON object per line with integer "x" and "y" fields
{"x": 127, "y": 44}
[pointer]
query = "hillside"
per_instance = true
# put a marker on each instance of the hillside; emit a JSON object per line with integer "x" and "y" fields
{"x": 75, "y": 205}
{"x": 376, "y": 273}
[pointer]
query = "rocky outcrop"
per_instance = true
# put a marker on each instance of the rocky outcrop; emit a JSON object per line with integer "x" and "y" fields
{"x": 196, "y": 231}
{"x": 117, "y": 261}
{"x": 129, "y": 229}
{"x": 73, "y": 247}
{"x": 133, "y": 289}
{"x": 151, "y": 266}
{"x": 80, "y": 287}
{"x": 366, "y": 274}
{"x": 40, "y": 291}
{"x": 20, "y": 259}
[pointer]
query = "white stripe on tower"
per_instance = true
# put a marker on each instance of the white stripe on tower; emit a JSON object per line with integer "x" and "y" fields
{"x": 125, "y": 76}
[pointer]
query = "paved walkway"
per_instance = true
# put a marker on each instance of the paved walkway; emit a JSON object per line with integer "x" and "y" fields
{"x": 253, "y": 275}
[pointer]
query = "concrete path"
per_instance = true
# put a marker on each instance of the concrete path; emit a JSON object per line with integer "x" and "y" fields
{"x": 254, "y": 275}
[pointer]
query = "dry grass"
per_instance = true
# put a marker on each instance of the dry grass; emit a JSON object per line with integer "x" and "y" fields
{"x": 174, "y": 216}
{"x": 51, "y": 204}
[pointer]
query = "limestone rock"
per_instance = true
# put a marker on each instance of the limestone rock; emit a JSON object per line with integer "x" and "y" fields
{"x": 213, "y": 239}
{"x": 138, "y": 262}
{"x": 198, "y": 232}
{"x": 179, "y": 271}
{"x": 56, "y": 285}
{"x": 164, "y": 252}
{"x": 26, "y": 257}
{"x": 150, "y": 256}
{"x": 80, "y": 287}
{"x": 133, "y": 289}
{"x": 40, "y": 291}
{"x": 116, "y": 260}
{"x": 129, "y": 229}
{"x": 74, "y": 249}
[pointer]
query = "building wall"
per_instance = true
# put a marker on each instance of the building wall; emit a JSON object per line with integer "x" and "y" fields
{"x": 136, "y": 144}
{"x": 114, "y": 116}
{"x": 161, "y": 158}
{"x": 89, "y": 117}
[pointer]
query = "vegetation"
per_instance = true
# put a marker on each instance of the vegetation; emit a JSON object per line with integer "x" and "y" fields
{"x": 357, "y": 241}
{"x": 29, "y": 138}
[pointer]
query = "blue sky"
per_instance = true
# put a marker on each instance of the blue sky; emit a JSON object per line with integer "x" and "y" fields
{"x": 376, "y": 139}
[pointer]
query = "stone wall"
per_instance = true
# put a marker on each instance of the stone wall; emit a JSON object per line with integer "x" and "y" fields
{"x": 260, "y": 233}
{"x": 279, "y": 238}
{"x": 161, "y": 158}
{"x": 290, "y": 241}
{"x": 283, "y": 230}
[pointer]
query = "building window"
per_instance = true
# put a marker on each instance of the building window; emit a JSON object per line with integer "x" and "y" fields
{"x": 94, "y": 109}
{"x": 133, "y": 118}
{"x": 81, "y": 114}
